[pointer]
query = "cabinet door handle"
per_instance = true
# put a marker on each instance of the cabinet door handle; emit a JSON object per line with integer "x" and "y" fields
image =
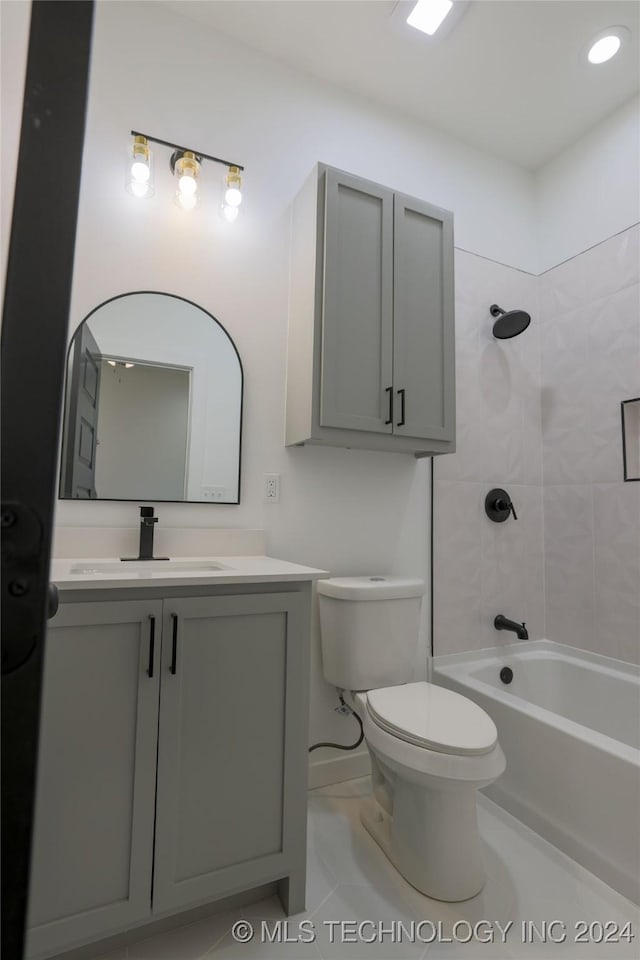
{"x": 174, "y": 644}
{"x": 152, "y": 644}
{"x": 401, "y": 421}
{"x": 389, "y": 390}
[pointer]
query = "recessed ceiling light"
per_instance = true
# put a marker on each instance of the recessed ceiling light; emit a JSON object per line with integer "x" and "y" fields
{"x": 606, "y": 44}
{"x": 427, "y": 15}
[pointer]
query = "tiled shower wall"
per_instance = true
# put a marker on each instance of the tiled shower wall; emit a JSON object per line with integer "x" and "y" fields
{"x": 590, "y": 328}
{"x": 540, "y": 416}
{"x": 483, "y": 568}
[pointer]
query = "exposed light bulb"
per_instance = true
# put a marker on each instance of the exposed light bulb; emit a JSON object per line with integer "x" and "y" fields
{"x": 233, "y": 196}
{"x": 138, "y": 178}
{"x": 140, "y": 171}
{"x": 187, "y": 185}
{"x": 128, "y": 366}
{"x": 186, "y": 201}
{"x": 233, "y": 187}
{"x": 111, "y": 363}
{"x": 230, "y": 213}
{"x": 139, "y": 190}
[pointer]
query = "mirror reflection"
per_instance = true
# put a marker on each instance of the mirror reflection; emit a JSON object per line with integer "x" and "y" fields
{"x": 153, "y": 404}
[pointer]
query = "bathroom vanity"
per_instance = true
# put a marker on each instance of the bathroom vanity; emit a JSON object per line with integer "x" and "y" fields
{"x": 173, "y": 753}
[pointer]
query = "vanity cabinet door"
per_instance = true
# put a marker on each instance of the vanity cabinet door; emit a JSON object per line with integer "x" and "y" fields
{"x": 93, "y": 833}
{"x": 232, "y": 747}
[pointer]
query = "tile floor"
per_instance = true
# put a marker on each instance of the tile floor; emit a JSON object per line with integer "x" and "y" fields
{"x": 350, "y": 879}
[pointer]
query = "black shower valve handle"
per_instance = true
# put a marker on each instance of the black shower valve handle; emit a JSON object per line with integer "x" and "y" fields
{"x": 506, "y": 505}
{"x": 499, "y": 506}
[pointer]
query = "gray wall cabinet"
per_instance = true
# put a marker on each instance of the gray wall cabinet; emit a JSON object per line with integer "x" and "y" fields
{"x": 371, "y": 357}
{"x": 217, "y": 710}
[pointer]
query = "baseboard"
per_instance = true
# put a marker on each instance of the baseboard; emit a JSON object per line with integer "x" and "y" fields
{"x": 336, "y": 769}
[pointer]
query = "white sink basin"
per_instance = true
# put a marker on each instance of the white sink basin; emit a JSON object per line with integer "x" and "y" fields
{"x": 147, "y": 566}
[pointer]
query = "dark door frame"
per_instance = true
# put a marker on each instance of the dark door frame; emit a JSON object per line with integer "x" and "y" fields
{"x": 34, "y": 340}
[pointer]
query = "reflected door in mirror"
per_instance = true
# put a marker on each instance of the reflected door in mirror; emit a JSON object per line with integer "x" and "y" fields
{"x": 153, "y": 406}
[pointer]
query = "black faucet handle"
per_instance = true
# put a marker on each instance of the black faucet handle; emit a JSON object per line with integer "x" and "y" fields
{"x": 146, "y": 512}
{"x": 499, "y": 506}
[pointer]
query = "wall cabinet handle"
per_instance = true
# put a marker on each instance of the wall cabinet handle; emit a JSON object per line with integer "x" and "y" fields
{"x": 389, "y": 390}
{"x": 401, "y": 421}
{"x": 152, "y": 644}
{"x": 174, "y": 644}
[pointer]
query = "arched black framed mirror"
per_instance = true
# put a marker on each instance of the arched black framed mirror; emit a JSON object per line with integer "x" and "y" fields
{"x": 153, "y": 404}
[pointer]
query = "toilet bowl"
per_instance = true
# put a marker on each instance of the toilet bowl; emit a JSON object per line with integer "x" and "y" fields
{"x": 431, "y": 749}
{"x": 423, "y": 810}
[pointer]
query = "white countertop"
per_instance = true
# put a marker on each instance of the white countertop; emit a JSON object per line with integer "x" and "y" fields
{"x": 234, "y": 569}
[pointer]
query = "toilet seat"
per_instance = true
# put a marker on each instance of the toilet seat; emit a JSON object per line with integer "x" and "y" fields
{"x": 433, "y": 718}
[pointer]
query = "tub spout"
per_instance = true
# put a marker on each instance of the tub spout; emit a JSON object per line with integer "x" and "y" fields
{"x": 520, "y": 629}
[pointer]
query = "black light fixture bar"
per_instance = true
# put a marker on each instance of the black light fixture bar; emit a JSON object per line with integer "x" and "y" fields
{"x": 176, "y": 146}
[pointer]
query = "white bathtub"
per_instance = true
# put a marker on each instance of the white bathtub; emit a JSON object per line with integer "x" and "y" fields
{"x": 569, "y": 724}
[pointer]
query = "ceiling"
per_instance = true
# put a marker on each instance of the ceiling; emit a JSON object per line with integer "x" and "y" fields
{"x": 510, "y": 77}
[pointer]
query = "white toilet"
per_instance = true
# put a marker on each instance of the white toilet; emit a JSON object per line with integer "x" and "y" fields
{"x": 430, "y": 748}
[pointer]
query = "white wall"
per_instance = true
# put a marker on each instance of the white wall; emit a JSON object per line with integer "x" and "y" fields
{"x": 591, "y": 191}
{"x": 143, "y": 419}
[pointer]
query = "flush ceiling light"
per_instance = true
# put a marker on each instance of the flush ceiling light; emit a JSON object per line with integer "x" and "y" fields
{"x": 606, "y": 44}
{"x": 427, "y": 15}
{"x": 139, "y": 180}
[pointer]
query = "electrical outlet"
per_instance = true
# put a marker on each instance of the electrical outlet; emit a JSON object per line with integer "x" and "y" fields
{"x": 272, "y": 487}
{"x": 213, "y": 493}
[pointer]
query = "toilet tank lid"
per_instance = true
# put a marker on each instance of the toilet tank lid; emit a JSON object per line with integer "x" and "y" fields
{"x": 378, "y": 587}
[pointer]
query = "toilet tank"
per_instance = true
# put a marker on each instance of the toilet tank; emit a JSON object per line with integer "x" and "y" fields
{"x": 369, "y": 630}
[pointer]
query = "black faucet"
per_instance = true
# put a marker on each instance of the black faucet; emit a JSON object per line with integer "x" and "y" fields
{"x": 520, "y": 629}
{"x": 145, "y": 550}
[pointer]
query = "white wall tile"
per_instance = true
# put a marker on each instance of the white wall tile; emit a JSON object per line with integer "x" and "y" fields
{"x": 595, "y": 274}
{"x": 616, "y": 526}
{"x": 614, "y": 375}
{"x": 569, "y": 577}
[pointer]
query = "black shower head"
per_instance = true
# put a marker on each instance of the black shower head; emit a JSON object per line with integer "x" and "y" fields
{"x": 508, "y": 324}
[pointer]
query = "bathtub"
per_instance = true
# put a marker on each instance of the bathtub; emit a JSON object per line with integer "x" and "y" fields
{"x": 569, "y": 724}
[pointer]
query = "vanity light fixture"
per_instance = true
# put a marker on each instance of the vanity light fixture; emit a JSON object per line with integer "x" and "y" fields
{"x": 139, "y": 179}
{"x": 186, "y": 166}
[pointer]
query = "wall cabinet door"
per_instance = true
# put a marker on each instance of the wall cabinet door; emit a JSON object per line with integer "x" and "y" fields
{"x": 230, "y": 808}
{"x": 423, "y": 320}
{"x": 357, "y": 321}
{"x": 371, "y": 358}
{"x": 93, "y": 832}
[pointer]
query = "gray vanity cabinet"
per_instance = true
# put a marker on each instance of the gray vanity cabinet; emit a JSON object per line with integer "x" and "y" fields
{"x": 173, "y": 757}
{"x": 93, "y": 830}
{"x": 231, "y": 717}
{"x": 371, "y": 359}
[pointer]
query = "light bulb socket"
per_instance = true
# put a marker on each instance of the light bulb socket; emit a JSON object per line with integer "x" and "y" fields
{"x": 185, "y": 163}
{"x": 141, "y": 149}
